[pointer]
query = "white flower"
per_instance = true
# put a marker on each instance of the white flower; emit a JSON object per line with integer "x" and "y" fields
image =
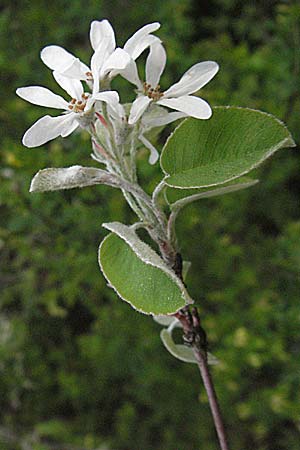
{"x": 107, "y": 61}
{"x": 177, "y": 96}
{"x": 75, "y": 111}
{"x": 122, "y": 129}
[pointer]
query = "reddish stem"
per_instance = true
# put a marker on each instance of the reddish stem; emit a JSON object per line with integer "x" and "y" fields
{"x": 194, "y": 335}
{"x": 212, "y": 398}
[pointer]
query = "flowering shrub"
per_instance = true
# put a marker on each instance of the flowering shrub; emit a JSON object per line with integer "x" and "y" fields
{"x": 208, "y": 155}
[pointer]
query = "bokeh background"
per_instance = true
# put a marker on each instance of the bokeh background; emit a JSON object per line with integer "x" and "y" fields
{"x": 79, "y": 369}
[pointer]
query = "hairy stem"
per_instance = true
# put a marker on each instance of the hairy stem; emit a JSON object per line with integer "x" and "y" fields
{"x": 159, "y": 188}
{"x": 162, "y": 231}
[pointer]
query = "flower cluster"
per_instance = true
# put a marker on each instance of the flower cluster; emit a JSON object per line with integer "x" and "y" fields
{"x": 94, "y": 106}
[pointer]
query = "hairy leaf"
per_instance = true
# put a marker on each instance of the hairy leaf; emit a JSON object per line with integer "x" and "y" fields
{"x": 203, "y": 153}
{"x": 138, "y": 274}
{"x": 54, "y": 179}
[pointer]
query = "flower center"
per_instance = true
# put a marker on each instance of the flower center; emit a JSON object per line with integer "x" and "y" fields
{"x": 78, "y": 105}
{"x": 153, "y": 93}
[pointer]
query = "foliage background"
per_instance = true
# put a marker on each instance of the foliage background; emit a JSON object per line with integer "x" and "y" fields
{"x": 80, "y": 369}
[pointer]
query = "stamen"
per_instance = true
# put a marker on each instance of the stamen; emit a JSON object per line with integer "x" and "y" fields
{"x": 78, "y": 106}
{"x": 153, "y": 93}
{"x": 89, "y": 76}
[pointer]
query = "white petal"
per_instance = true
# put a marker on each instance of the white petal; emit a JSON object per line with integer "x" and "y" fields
{"x": 70, "y": 85}
{"x": 102, "y": 30}
{"x": 164, "y": 119}
{"x": 41, "y": 96}
{"x": 110, "y": 97}
{"x": 154, "y": 155}
{"x": 70, "y": 126}
{"x": 58, "y": 59}
{"x": 116, "y": 111}
{"x": 143, "y": 44}
{"x": 139, "y": 105}
{"x": 190, "y": 105}
{"x": 76, "y": 70}
{"x": 130, "y": 73}
{"x": 134, "y": 46}
{"x": 118, "y": 60}
{"x": 194, "y": 79}
{"x": 98, "y": 60}
{"x": 46, "y": 129}
{"x": 155, "y": 64}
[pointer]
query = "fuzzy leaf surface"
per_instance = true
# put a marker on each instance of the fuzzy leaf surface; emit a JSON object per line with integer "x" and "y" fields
{"x": 54, "y": 179}
{"x": 202, "y": 153}
{"x": 138, "y": 274}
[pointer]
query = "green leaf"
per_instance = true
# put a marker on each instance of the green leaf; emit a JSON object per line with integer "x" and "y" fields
{"x": 138, "y": 274}
{"x": 182, "y": 352}
{"x": 54, "y": 179}
{"x": 181, "y": 197}
{"x": 202, "y": 153}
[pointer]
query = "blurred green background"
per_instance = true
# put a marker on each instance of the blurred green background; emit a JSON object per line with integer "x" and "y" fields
{"x": 79, "y": 369}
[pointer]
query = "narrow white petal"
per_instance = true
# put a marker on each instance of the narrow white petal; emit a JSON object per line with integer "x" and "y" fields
{"x": 110, "y": 97}
{"x": 194, "y": 79}
{"x": 143, "y": 44}
{"x": 190, "y": 105}
{"x": 70, "y": 125}
{"x": 160, "y": 121}
{"x": 155, "y": 64}
{"x": 76, "y": 70}
{"x": 41, "y": 96}
{"x": 101, "y": 30}
{"x": 154, "y": 155}
{"x": 130, "y": 73}
{"x": 139, "y": 105}
{"x": 118, "y": 60}
{"x": 58, "y": 59}
{"x": 98, "y": 59}
{"x": 133, "y": 46}
{"x": 70, "y": 85}
{"x": 116, "y": 111}
{"x": 45, "y": 129}
{"x": 97, "y": 62}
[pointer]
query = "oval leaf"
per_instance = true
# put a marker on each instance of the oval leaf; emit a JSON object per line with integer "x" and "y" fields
{"x": 203, "y": 153}
{"x": 138, "y": 274}
{"x": 54, "y": 179}
{"x": 182, "y": 352}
